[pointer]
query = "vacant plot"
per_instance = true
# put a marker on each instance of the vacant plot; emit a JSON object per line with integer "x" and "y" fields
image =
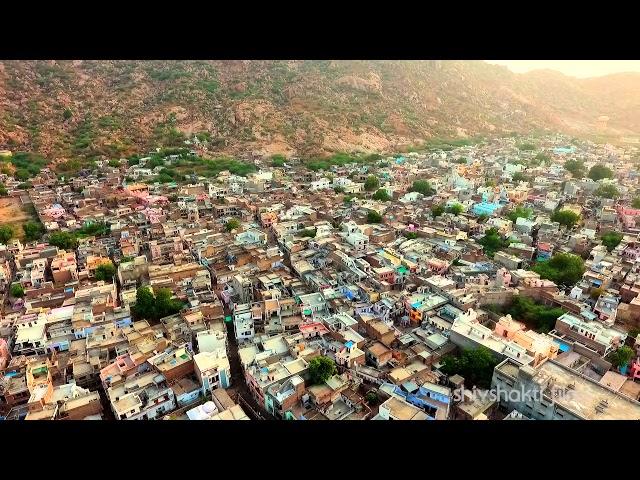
{"x": 13, "y": 212}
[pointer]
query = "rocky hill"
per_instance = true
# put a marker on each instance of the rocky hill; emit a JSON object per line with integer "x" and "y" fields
{"x": 67, "y": 109}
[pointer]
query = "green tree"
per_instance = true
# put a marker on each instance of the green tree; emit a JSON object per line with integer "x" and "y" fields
{"x": 152, "y": 306}
{"x": 437, "y": 210}
{"x": 338, "y": 189}
{"x": 381, "y": 195}
{"x": 541, "y": 158}
{"x": 232, "y": 224}
{"x": 371, "y": 398}
{"x": 278, "y": 160}
{"x": 519, "y": 177}
{"x": 374, "y": 217}
{"x": 611, "y": 240}
{"x": 620, "y": 358}
{"x": 32, "y": 231}
{"x": 636, "y": 202}
{"x": 519, "y": 212}
{"x": 596, "y": 292}
{"x": 308, "y": 232}
{"x": 63, "y": 240}
{"x": 67, "y": 114}
{"x": 456, "y": 209}
{"x": 321, "y": 369}
{"x": 492, "y": 242}
{"x": 6, "y": 233}
{"x": 526, "y": 146}
{"x": 566, "y": 218}
{"x": 562, "y": 268}
{"x": 607, "y": 191}
{"x": 475, "y": 365}
{"x": 3, "y": 190}
{"x": 165, "y": 305}
{"x": 22, "y": 174}
{"x": 16, "y": 291}
{"x": 410, "y": 235}
{"x": 144, "y": 308}
{"x": 598, "y": 172}
{"x": 371, "y": 183}
{"x": 423, "y": 187}
{"x": 105, "y": 271}
{"x": 634, "y": 332}
{"x": 483, "y": 217}
{"x": 348, "y": 198}
{"x": 575, "y": 167}
{"x": 536, "y": 316}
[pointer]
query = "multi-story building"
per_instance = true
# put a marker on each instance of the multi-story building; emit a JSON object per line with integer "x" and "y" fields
{"x": 553, "y": 391}
{"x": 145, "y": 396}
{"x": 212, "y": 370}
{"x": 592, "y": 334}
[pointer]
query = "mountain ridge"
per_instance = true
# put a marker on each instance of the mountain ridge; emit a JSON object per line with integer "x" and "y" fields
{"x": 306, "y": 108}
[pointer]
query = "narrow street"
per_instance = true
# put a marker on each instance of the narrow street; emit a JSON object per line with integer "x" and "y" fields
{"x": 238, "y": 384}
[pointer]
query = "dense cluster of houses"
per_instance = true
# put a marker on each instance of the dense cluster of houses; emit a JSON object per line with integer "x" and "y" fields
{"x": 284, "y": 266}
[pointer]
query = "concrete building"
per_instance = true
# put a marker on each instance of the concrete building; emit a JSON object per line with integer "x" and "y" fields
{"x": 555, "y": 392}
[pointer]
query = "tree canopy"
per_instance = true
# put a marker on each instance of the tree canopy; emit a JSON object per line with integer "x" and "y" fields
{"x": 519, "y": 177}
{"x": 621, "y": 356}
{"x": 371, "y": 398}
{"x": 492, "y": 242}
{"x": 371, "y": 183}
{"x": 598, "y": 172}
{"x": 607, "y": 191}
{"x": 63, "y": 240}
{"x": 152, "y": 306}
{"x": 540, "y": 158}
{"x": 611, "y": 240}
{"x": 423, "y": 187}
{"x": 562, "y": 268}
{"x": 105, "y": 271}
{"x": 526, "y": 146}
{"x": 519, "y": 212}
{"x": 32, "y": 231}
{"x": 6, "y": 233}
{"x": 565, "y": 218}
{"x": 475, "y": 365}
{"x": 374, "y": 217}
{"x": 278, "y": 160}
{"x": 456, "y": 209}
{"x": 321, "y": 369}
{"x": 575, "y": 167}
{"x": 232, "y": 224}
{"x": 381, "y": 195}
{"x": 536, "y": 316}
{"x": 437, "y": 210}
{"x": 16, "y": 291}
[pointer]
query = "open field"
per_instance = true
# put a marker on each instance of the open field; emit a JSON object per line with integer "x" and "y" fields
{"x": 13, "y": 212}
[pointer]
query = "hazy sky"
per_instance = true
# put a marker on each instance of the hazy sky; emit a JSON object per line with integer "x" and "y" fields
{"x": 575, "y": 68}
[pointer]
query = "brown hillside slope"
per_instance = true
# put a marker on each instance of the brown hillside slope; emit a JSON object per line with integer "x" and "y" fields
{"x": 302, "y": 107}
